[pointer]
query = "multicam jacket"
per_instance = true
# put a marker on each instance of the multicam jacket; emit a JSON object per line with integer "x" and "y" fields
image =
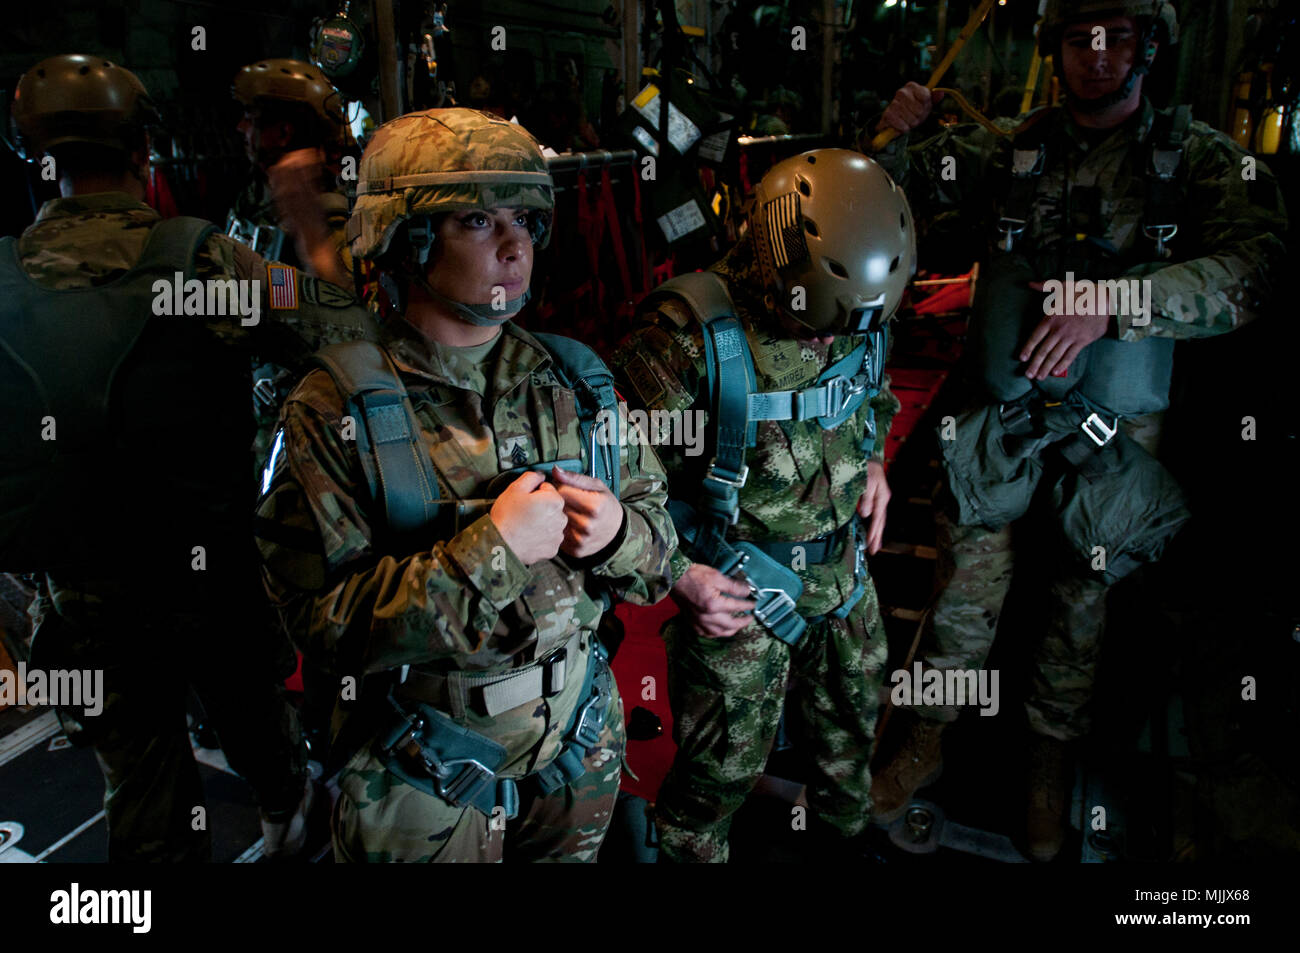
{"x": 1227, "y": 254}
{"x": 803, "y": 481}
{"x": 462, "y": 600}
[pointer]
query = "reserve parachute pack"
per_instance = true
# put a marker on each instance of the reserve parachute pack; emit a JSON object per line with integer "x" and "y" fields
{"x": 396, "y": 462}
{"x": 421, "y": 745}
{"x": 1109, "y": 379}
{"x": 735, "y": 407}
{"x": 99, "y": 456}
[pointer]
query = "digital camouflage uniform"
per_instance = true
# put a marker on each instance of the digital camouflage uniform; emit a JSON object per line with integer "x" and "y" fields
{"x": 1225, "y": 260}
{"x": 727, "y": 694}
{"x": 465, "y": 604}
{"x": 121, "y": 620}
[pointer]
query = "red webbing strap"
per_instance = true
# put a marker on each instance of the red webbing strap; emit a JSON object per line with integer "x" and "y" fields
{"x": 610, "y": 212}
{"x": 640, "y": 232}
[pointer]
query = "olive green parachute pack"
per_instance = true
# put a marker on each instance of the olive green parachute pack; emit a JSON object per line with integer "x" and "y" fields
{"x": 101, "y": 461}
{"x": 1106, "y": 491}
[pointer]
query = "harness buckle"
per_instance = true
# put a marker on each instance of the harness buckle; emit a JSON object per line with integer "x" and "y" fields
{"x": 1027, "y": 162}
{"x": 553, "y": 672}
{"x": 264, "y": 392}
{"x": 738, "y": 481}
{"x": 1094, "y": 421}
{"x": 840, "y": 391}
{"x": 588, "y": 734}
{"x": 772, "y": 606}
{"x": 1010, "y": 229}
{"x": 1160, "y": 234}
{"x": 467, "y": 783}
{"x": 1165, "y": 162}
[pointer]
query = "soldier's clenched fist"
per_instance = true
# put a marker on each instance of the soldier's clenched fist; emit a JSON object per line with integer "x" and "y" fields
{"x": 529, "y": 515}
{"x": 594, "y": 514}
{"x": 911, "y": 106}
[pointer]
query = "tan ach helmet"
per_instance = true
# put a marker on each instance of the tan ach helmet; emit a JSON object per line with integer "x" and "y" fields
{"x": 79, "y": 98}
{"x": 834, "y": 223}
{"x": 446, "y": 160}
{"x": 1059, "y": 13}
{"x": 292, "y": 81}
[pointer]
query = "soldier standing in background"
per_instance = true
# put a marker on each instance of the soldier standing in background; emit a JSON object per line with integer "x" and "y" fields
{"x": 135, "y": 513}
{"x": 798, "y": 310}
{"x": 1104, "y": 187}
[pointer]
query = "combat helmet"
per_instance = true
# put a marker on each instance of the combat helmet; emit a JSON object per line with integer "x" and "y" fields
{"x": 294, "y": 81}
{"x": 75, "y": 98}
{"x": 436, "y": 161}
{"x": 1157, "y": 23}
{"x": 833, "y": 223}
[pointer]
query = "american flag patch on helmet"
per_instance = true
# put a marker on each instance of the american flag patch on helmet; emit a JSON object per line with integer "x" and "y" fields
{"x": 284, "y": 287}
{"x": 785, "y": 230}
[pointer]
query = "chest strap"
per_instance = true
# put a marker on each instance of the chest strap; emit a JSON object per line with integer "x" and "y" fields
{"x": 1164, "y": 193}
{"x": 838, "y": 393}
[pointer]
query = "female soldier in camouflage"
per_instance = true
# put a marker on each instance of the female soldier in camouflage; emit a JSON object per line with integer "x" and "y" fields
{"x": 487, "y": 721}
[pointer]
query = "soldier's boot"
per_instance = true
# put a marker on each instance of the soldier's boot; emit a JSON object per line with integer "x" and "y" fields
{"x": 1049, "y": 793}
{"x": 284, "y": 833}
{"x": 917, "y": 763}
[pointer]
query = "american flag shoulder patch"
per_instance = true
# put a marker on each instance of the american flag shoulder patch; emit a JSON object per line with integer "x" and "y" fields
{"x": 283, "y": 282}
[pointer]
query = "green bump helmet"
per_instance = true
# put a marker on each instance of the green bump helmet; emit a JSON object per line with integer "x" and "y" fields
{"x": 79, "y": 98}
{"x": 446, "y": 160}
{"x": 834, "y": 223}
{"x": 1156, "y": 19}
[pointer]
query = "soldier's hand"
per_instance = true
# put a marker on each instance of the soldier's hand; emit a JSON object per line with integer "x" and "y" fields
{"x": 872, "y": 504}
{"x": 1058, "y": 339}
{"x": 910, "y": 107}
{"x": 711, "y": 601}
{"x": 594, "y": 513}
{"x": 529, "y": 515}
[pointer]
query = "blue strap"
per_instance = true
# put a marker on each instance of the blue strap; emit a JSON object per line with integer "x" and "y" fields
{"x": 393, "y": 456}
{"x": 731, "y": 379}
{"x": 584, "y": 731}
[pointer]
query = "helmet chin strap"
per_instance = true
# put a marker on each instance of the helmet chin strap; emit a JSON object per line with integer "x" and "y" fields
{"x": 479, "y": 315}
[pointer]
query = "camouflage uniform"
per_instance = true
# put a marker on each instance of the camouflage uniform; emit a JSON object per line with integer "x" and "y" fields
{"x": 146, "y": 639}
{"x": 255, "y": 206}
{"x": 1226, "y": 257}
{"x": 728, "y": 694}
{"x": 467, "y": 605}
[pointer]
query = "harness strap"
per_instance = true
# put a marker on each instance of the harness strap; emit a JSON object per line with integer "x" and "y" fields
{"x": 397, "y": 468}
{"x": 610, "y": 212}
{"x": 818, "y": 550}
{"x": 460, "y": 765}
{"x": 583, "y": 733}
{"x": 1164, "y": 194}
